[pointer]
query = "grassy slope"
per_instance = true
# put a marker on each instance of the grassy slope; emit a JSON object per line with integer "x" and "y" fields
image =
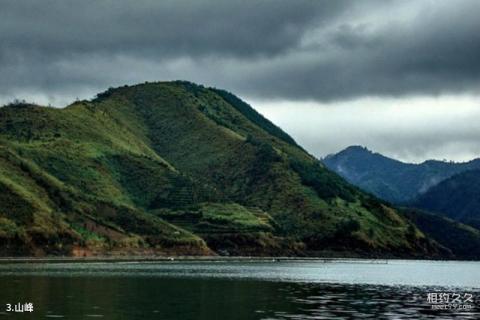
{"x": 63, "y": 163}
{"x": 108, "y": 175}
{"x": 245, "y": 163}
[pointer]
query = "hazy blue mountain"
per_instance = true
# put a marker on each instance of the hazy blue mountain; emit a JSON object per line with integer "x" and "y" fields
{"x": 390, "y": 179}
{"x": 458, "y": 197}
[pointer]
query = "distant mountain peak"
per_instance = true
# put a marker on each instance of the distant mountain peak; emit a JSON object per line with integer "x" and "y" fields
{"x": 391, "y": 179}
{"x": 357, "y": 148}
{"x": 354, "y": 149}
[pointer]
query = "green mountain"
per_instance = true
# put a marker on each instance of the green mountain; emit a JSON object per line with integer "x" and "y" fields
{"x": 463, "y": 241}
{"x": 389, "y": 179}
{"x": 457, "y": 197}
{"x": 176, "y": 168}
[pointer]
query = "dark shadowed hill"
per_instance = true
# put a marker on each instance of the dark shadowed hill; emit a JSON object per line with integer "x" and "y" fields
{"x": 176, "y": 168}
{"x": 461, "y": 239}
{"x": 389, "y": 179}
{"x": 457, "y": 197}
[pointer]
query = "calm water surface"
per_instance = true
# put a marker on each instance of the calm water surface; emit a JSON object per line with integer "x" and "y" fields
{"x": 237, "y": 290}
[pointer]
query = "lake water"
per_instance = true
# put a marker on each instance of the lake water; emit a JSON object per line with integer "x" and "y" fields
{"x": 350, "y": 289}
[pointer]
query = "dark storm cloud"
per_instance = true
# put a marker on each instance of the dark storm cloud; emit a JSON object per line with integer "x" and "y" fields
{"x": 166, "y": 28}
{"x": 323, "y": 50}
{"x": 40, "y": 42}
{"x": 435, "y": 50}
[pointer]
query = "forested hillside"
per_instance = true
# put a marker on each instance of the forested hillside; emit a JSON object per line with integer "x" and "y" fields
{"x": 177, "y": 168}
{"x": 457, "y": 197}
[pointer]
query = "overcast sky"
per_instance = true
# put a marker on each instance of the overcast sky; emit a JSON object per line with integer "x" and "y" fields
{"x": 400, "y": 77}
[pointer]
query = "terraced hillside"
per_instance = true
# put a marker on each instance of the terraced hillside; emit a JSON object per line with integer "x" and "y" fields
{"x": 177, "y": 168}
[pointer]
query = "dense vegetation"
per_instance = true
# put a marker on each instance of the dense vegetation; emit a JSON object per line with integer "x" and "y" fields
{"x": 389, "y": 179}
{"x": 457, "y": 197}
{"x": 254, "y": 116}
{"x": 463, "y": 241}
{"x": 176, "y": 168}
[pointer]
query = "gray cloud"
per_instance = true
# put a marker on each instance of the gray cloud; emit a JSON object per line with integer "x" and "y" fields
{"x": 41, "y": 42}
{"x": 433, "y": 51}
{"x": 322, "y": 50}
{"x": 163, "y": 28}
{"x": 411, "y": 129}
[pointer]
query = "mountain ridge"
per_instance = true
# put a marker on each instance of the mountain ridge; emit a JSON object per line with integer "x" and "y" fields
{"x": 177, "y": 168}
{"x": 390, "y": 179}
